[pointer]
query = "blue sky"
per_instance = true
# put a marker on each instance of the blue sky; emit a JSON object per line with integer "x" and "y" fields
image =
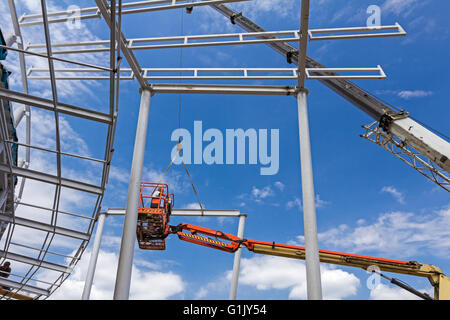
{"x": 368, "y": 201}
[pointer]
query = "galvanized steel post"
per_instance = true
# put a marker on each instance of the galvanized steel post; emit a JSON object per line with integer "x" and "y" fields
{"x": 313, "y": 279}
{"x": 237, "y": 259}
{"x": 123, "y": 280}
{"x": 94, "y": 257}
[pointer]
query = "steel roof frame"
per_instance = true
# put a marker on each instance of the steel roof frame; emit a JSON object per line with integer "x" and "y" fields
{"x": 28, "y": 281}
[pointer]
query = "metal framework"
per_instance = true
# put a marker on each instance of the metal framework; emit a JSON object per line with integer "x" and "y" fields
{"x": 51, "y": 223}
{"x": 154, "y": 74}
{"x": 408, "y": 155}
{"x": 190, "y": 41}
{"x": 119, "y": 45}
{"x": 176, "y": 213}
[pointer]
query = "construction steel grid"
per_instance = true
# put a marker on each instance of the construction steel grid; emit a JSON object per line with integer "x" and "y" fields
{"x": 111, "y": 14}
{"x": 39, "y": 270}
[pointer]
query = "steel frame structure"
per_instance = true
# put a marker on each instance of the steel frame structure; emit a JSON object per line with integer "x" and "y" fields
{"x": 118, "y": 44}
{"x": 374, "y": 133}
{"x": 176, "y": 213}
{"x": 217, "y": 73}
{"x": 363, "y": 100}
{"x": 48, "y": 257}
{"x": 190, "y": 41}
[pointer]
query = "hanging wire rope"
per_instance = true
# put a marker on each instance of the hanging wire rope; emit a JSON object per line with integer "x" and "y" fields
{"x": 179, "y": 145}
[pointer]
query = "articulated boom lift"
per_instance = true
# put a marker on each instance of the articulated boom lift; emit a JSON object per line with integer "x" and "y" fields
{"x": 153, "y": 228}
{"x": 153, "y": 215}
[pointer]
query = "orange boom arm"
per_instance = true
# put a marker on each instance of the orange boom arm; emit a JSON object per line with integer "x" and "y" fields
{"x": 230, "y": 243}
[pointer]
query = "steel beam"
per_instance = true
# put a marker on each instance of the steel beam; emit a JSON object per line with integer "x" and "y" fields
{"x": 205, "y": 212}
{"x": 94, "y": 257}
{"x": 45, "y": 227}
{"x": 222, "y": 89}
{"x": 188, "y": 212}
{"x": 47, "y": 104}
{"x": 237, "y": 260}
{"x": 331, "y": 73}
{"x": 313, "y": 277}
{"x": 25, "y": 287}
{"x": 193, "y": 41}
{"x": 31, "y": 53}
{"x": 216, "y": 74}
{"x": 47, "y": 178}
{"x": 124, "y": 269}
{"x": 303, "y": 43}
{"x": 400, "y": 32}
{"x": 35, "y": 262}
{"x": 185, "y": 41}
{"x": 173, "y": 5}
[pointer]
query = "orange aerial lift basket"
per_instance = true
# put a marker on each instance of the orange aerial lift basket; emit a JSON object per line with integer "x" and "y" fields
{"x": 155, "y": 206}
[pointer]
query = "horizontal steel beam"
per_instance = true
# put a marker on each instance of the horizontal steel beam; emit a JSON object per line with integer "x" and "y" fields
{"x": 206, "y": 212}
{"x": 45, "y": 227}
{"x": 151, "y": 7}
{"x": 189, "y": 212}
{"x": 54, "y": 151}
{"x": 397, "y": 27}
{"x": 46, "y": 56}
{"x": 242, "y": 38}
{"x": 35, "y": 262}
{"x": 191, "y": 41}
{"x": 331, "y": 73}
{"x": 222, "y": 89}
{"x": 26, "y": 17}
{"x": 44, "y": 177}
{"x": 216, "y": 73}
{"x": 25, "y": 287}
{"x": 196, "y": 74}
{"x": 47, "y": 104}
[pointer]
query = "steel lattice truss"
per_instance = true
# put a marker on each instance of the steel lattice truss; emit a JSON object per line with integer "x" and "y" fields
{"x": 46, "y": 258}
{"x": 408, "y": 155}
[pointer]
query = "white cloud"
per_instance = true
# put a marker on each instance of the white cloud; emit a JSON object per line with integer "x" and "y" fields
{"x": 279, "y": 185}
{"x": 409, "y": 94}
{"x": 176, "y": 180}
{"x": 255, "y": 9}
{"x": 396, "y": 234}
{"x": 395, "y": 193}
{"x": 192, "y": 205}
{"x": 274, "y": 273}
{"x": 145, "y": 284}
{"x": 294, "y": 203}
{"x": 260, "y": 194}
{"x": 385, "y": 292}
{"x": 298, "y": 203}
{"x": 218, "y": 287}
{"x": 401, "y": 7}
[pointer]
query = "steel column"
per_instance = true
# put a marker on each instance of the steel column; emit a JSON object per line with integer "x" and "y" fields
{"x": 94, "y": 257}
{"x": 237, "y": 259}
{"x": 123, "y": 280}
{"x": 314, "y": 286}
